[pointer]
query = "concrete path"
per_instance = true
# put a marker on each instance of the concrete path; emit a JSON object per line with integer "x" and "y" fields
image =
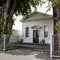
{"x": 24, "y": 54}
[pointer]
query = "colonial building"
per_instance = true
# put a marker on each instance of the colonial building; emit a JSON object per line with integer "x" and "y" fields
{"x": 37, "y": 27}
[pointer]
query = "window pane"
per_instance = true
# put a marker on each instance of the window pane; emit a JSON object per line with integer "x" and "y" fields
{"x": 45, "y": 31}
{"x": 27, "y": 32}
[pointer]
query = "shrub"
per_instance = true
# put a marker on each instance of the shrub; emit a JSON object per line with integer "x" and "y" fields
{"x": 43, "y": 41}
{"x": 21, "y": 41}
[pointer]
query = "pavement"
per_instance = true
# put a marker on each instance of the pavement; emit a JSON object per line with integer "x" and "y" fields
{"x": 25, "y": 54}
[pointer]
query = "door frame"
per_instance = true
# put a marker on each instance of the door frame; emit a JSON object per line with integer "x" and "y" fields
{"x": 37, "y": 36}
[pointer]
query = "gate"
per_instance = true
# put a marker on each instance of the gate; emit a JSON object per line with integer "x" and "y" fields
{"x": 55, "y": 46}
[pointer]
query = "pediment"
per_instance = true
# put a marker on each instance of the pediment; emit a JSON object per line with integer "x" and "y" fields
{"x": 36, "y": 27}
{"x": 38, "y": 16}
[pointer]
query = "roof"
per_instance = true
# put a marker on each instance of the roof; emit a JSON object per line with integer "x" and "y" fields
{"x": 37, "y": 16}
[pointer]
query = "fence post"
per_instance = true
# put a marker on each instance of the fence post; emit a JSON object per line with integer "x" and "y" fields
{"x": 51, "y": 48}
{"x": 4, "y": 42}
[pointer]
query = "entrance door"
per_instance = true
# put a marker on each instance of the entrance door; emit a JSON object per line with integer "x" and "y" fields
{"x": 35, "y": 36}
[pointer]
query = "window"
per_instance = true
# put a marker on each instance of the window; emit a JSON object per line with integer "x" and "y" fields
{"x": 27, "y": 32}
{"x": 45, "y": 31}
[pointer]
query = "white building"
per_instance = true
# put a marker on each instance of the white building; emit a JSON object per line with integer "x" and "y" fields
{"x": 36, "y": 27}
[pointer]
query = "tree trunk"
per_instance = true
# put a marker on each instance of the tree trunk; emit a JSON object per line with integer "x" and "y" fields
{"x": 55, "y": 32}
{"x": 58, "y": 23}
{"x": 11, "y": 22}
{"x": 5, "y": 13}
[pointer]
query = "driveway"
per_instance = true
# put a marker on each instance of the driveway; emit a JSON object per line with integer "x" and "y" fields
{"x": 24, "y": 54}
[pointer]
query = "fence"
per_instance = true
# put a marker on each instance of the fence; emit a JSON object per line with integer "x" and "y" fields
{"x": 1, "y": 41}
{"x": 6, "y": 40}
{"x": 56, "y": 45}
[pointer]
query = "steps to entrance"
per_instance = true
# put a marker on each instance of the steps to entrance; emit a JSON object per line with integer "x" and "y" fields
{"x": 42, "y": 47}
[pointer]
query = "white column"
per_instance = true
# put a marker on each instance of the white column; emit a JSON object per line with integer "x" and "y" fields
{"x": 4, "y": 43}
{"x": 51, "y": 48}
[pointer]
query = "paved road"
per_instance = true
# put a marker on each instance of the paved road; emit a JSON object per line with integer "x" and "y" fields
{"x": 24, "y": 54}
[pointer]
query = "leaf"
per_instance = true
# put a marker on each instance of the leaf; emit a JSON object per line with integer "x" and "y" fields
{"x": 48, "y": 8}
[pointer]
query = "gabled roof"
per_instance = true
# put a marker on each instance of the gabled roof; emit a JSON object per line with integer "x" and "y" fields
{"x": 37, "y": 16}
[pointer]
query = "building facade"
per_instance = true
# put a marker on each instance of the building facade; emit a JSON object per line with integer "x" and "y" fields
{"x": 37, "y": 27}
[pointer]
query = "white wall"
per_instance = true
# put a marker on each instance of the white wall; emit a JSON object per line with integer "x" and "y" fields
{"x": 42, "y": 23}
{"x": 16, "y": 36}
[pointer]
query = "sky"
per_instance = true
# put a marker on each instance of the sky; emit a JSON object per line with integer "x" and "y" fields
{"x": 18, "y": 24}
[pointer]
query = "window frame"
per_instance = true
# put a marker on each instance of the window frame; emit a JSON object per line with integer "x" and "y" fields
{"x": 27, "y": 32}
{"x": 45, "y": 32}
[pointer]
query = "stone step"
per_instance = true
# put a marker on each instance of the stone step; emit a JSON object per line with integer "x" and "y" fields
{"x": 44, "y": 47}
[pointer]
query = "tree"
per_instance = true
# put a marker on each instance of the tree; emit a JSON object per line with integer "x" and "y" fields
{"x": 56, "y": 20}
{"x": 55, "y": 4}
{"x": 23, "y": 7}
{"x": 57, "y": 11}
{"x": 11, "y": 7}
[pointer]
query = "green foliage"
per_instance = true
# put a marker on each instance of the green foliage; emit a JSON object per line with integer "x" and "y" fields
{"x": 1, "y": 46}
{"x": 8, "y": 26}
{"x": 23, "y": 7}
{"x": 56, "y": 3}
{"x": 17, "y": 7}
{"x": 55, "y": 28}
{"x": 48, "y": 7}
{"x": 1, "y": 25}
{"x": 57, "y": 18}
{"x": 20, "y": 41}
{"x": 8, "y": 45}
